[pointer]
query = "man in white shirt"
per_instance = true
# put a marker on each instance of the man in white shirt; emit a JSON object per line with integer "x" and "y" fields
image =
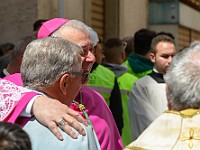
{"x": 147, "y": 99}
{"x": 177, "y": 128}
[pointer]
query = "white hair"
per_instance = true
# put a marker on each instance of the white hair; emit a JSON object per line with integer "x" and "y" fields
{"x": 46, "y": 59}
{"x": 93, "y": 36}
{"x": 183, "y": 78}
{"x": 68, "y": 25}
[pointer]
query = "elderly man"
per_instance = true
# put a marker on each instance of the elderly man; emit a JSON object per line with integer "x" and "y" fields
{"x": 178, "y": 128}
{"x": 55, "y": 71}
{"x": 102, "y": 121}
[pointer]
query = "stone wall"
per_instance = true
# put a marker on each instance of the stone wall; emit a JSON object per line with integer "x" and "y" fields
{"x": 133, "y": 16}
{"x": 17, "y": 18}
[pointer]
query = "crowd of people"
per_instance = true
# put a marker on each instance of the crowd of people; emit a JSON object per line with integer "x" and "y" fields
{"x": 65, "y": 88}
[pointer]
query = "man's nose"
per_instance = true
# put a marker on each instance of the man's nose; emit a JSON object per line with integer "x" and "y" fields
{"x": 90, "y": 57}
{"x": 170, "y": 59}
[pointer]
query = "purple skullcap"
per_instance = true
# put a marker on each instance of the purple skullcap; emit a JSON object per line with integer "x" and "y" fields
{"x": 50, "y": 26}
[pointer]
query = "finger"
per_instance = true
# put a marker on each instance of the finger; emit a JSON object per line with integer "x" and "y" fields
{"x": 67, "y": 129}
{"x": 75, "y": 124}
{"x": 54, "y": 129}
{"x": 77, "y": 116}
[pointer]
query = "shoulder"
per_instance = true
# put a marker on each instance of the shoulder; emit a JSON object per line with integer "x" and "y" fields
{"x": 126, "y": 62}
{"x": 101, "y": 74}
{"x": 129, "y": 76}
{"x": 156, "y": 131}
{"x": 146, "y": 79}
{"x": 142, "y": 74}
{"x": 103, "y": 68}
{"x": 39, "y": 134}
{"x": 15, "y": 78}
{"x": 91, "y": 98}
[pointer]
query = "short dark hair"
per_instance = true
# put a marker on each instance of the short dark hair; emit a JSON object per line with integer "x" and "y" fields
{"x": 1, "y": 52}
{"x": 13, "y": 137}
{"x": 38, "y": 23}
{"x": 130, "y": 43}
{"x": 113, "y": 42}
{"x": 166, "y": 33}
{"x": 4, "y": 61}
{"x": 112, "y": 50}
{"x": 142, "y": 41}
{"x": 7, "y": 46}
{"x": 158, "y": 39}
{"x": 21, "y": 47}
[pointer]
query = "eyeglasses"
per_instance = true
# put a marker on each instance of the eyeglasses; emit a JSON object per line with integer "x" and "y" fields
{"x": 84, "y": 75}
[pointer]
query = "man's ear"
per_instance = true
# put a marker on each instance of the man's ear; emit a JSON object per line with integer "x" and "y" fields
{"x": 123, "y": 56}
{"x": 20, "y": 60}
{"x": 63, "y": 83}
{"x": 152, "y": 57}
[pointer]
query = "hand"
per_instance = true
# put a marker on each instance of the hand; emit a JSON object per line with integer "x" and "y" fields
{"x": 50, "y": 112}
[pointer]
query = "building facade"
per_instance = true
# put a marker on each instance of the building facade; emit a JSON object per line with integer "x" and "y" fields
{"x": 109, "y": 18}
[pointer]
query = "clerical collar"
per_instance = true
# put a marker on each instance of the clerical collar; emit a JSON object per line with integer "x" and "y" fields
{"x": 158, "y": 77}
{"x": 155, "y": 70}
